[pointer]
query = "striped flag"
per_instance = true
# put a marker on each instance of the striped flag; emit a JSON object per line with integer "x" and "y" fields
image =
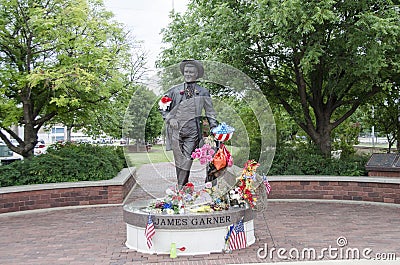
{"x": 237, "y": 240}
{"x": 267, "y": 185}
{"x": 149, "y": 232}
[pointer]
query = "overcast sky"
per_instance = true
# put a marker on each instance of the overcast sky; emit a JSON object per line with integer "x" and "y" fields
{"x": 145, "y": 19}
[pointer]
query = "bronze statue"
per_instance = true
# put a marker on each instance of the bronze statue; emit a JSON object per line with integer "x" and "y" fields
{"x": 181, "y": 108}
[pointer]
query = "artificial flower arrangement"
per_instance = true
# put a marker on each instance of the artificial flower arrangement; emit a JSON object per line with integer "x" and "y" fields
{"x": 246, "y": 183}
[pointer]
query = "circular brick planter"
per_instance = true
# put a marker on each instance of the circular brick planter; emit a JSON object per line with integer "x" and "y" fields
{"x": 369, "y": 189}
{"x": 41, "y": 196}
{"x": 114, "y": 191}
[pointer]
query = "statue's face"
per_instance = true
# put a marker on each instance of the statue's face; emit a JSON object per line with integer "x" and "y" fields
{"x": 190, "y": 73}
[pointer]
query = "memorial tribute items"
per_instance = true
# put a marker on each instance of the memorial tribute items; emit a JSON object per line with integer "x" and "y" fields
{"x": 216, "y": 160}
{"x": 210, "y": 198}
{"x": 237, "y": 239}
{"x": 266, "y": 183}
{"x": 164, "y": 103}
{"x": 223, "y": 132}
{"x": 149, "y": 232}
{"x": 204, "y": 154}
{"x": 246, "y": 181}
{"x": 219, "y": 160}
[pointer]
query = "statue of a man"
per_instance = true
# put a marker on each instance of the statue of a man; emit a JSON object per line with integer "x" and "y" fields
{"x": 181, "y": 108}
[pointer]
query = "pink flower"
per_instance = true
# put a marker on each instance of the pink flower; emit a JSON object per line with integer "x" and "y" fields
{"x": 203, "y": 160}
{"x": 208, "y": 185}
{"x": 211, "y": 152}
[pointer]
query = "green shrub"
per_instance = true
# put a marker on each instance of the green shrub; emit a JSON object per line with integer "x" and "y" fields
{"x": 65, "y": 163}
{"x": 302, "y": 159}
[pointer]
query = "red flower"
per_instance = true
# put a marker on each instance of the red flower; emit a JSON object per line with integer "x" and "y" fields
{"x": 166, "y": 99}
{"x": 190, "y": 185}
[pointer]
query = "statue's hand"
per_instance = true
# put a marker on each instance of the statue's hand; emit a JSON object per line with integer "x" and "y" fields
{"x": 174, "y": 124}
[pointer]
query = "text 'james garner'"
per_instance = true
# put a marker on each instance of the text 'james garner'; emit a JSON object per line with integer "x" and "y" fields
{"x": 191, "y": 221}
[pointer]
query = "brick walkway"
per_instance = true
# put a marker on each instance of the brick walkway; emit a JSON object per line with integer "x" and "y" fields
{"x": 96, "y": 235}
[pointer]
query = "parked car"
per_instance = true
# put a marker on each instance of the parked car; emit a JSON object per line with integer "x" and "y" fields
{"x": 6, "y": 155}
{"x": 40, "y": 148}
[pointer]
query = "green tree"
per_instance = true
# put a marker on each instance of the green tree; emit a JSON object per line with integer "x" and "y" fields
{"x": 106, "y": 116}
{"x": 384, "y": 113}
{"x": 143, "y": 122}
{"x": 345, "y": 137}
{"x": 320, "y": 60}
{"x": 154, "y": 125}
{"x": 60, "y": 61}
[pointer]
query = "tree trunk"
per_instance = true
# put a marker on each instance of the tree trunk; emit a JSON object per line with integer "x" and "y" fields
{"x": 69, "y": 130}
{"x": 320, "y": 134}
{"x": 398, "y": 135}
{"x": 390, "y": 143}
{"x": 30, "y": 134}
{"x": 30, "y": 140}
{"x": 324, "y": 143}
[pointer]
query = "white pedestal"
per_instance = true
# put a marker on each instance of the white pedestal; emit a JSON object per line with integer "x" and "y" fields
{"x": 195, "y": 241}
{"x": 199, "y": 233}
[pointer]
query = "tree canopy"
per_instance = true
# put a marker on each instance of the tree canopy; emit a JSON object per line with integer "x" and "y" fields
{"x": 320, "y": 60}
{"x": 384, "y": 111}
{"x": 143, "y": 121}
{"x": 60, "y": 61}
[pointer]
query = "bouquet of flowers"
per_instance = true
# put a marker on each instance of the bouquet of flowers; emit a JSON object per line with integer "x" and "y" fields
{"x": 204, "y": 154}
{"x": 164, "y": 103}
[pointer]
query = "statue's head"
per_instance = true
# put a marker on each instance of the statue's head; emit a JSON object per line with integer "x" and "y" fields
{"x": 191, "y": 70}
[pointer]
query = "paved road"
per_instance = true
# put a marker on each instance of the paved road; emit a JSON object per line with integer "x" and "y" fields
{"x": 96, "y": 235}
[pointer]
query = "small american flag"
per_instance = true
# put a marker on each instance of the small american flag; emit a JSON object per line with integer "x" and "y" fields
{"x": 237, "y": 239}
{"x": 149, "y": 232}
{"x": 267, "y": 185}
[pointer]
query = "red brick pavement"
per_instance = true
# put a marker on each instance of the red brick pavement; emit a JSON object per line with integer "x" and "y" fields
{"x": 96, "y": 235}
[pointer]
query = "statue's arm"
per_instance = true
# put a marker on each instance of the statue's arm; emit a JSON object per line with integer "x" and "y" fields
{"x": 210, "y": 112}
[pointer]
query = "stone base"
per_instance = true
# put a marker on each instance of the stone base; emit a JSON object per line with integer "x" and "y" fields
{"x": 199, "y": 233}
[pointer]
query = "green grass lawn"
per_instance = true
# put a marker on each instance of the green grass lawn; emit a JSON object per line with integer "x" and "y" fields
{"x": 157, "y": 154}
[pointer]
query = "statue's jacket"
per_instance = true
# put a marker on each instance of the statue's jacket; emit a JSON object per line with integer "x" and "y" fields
{"x": 188, "y": 112}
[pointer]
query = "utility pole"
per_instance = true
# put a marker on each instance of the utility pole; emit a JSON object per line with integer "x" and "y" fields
{"x": 398, "y": 123}
{"x": 373, "y": 128}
